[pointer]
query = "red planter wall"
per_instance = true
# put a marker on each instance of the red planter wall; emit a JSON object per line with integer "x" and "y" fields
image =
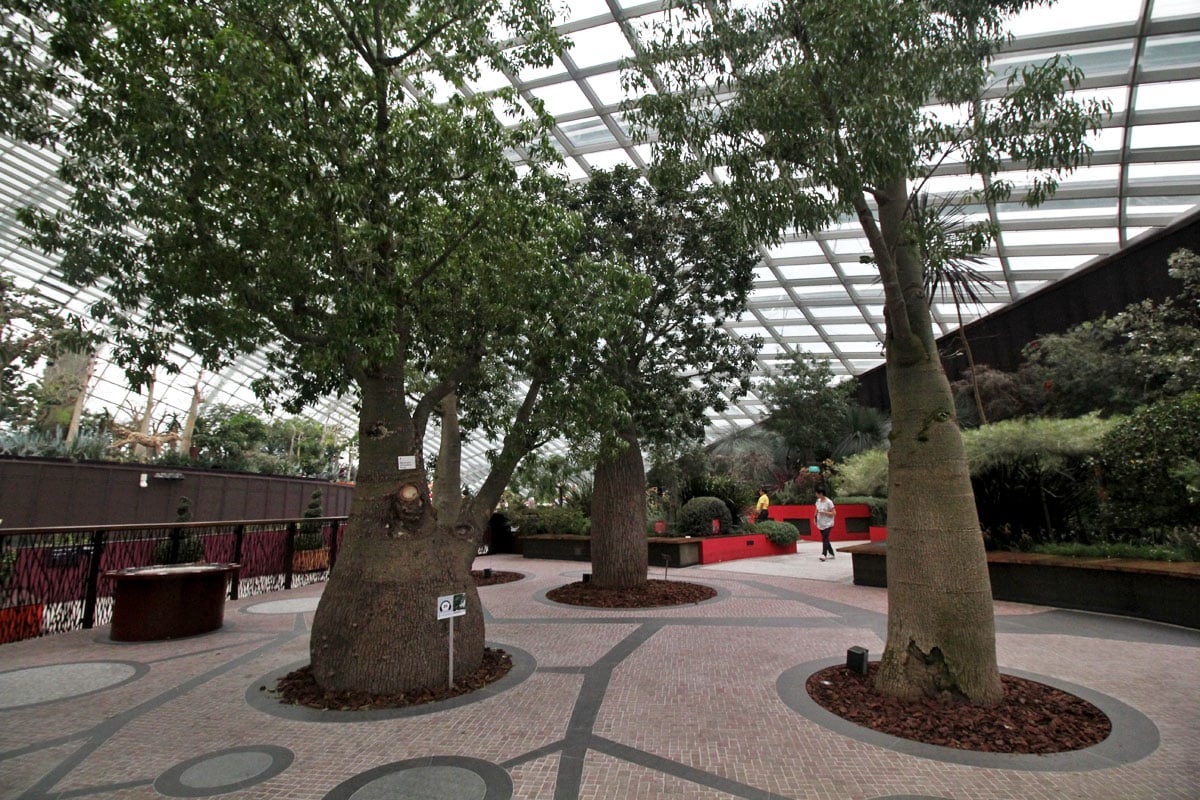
{"x": 851, "y": 524}
{"x": 727, "y": 548}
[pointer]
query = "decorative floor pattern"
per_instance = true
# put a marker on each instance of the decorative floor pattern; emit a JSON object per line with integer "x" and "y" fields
{"x": 694, "y": 702}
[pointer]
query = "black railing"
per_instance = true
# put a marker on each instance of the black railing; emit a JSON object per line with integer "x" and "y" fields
{"x": 54, "y": 579}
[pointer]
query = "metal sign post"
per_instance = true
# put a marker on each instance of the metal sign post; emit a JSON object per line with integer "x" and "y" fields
{"x": 450, "y": 606}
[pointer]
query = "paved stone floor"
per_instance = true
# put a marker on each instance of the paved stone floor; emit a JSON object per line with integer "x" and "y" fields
{"x": 699, "y": 703}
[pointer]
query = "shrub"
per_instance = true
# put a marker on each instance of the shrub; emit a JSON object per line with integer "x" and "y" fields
{"x": 1187, "y": 539}
{"x": 1035, "y": 479}
{"x": 780, "y": 533}
{"x": 1112, "y": 550}
{"x": 733, "y": 493}
{"x": 863, "y": 474}
{"x": 1147, "y": 462}
{"x": 697, "y": 514}
{"x": 876, "y": 505}
{"x": 548, "y": 520}
{"x": 309, "y": 535}
{"x": 183, "y": 546}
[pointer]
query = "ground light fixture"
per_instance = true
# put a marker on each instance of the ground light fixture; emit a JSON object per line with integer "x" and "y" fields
{"x": 856, "y": 659}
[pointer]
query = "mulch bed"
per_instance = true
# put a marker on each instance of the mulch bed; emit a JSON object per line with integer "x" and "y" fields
{"x": 300, "y": 688}
{"x": 649, "y": 595}
{"x": 1031, "y": 719}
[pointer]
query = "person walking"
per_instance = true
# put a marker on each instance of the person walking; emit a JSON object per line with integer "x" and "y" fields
{"x": 826, "y": 514}
{"x": 764, "y": 502}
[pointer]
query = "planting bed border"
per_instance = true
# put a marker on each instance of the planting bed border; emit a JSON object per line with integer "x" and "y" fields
{"x": 1156, "y": 590}
{"x": 668, "y": 551}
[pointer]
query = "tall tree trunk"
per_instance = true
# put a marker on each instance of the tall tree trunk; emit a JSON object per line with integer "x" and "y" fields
{"x": 376, "y": 628}
{"x": 447, "y": 482}
{"x": 141, "y": 452}
{"x": 81, "y": 396}
{"x": 189, "y": 424}
{"x": 619, "y": 553}
{"x": 941, "y": 633}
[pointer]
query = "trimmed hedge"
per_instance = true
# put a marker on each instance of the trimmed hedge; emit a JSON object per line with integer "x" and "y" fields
{"x": 780, "y": 533}
{"x": 548, "y": 519}
{"x": 697, "y": 514}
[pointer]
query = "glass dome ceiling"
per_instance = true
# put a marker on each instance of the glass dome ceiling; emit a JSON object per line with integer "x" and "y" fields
{"x": 811, "y": 293}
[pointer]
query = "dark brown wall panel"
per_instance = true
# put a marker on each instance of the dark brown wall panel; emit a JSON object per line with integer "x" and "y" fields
{"x": 37, "y": 493}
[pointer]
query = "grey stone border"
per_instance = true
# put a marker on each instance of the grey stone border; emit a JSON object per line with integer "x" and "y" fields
{"x": 1134, "y": 736}
{"x": 722, "y": 594}
{"x": 498, "y": 781}
{"x": 260, "y": 698}
{"x": 139, "y": 671}
{"x": 170, "y": 784}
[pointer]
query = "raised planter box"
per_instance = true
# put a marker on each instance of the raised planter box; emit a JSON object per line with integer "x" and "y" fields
{"x": 715, "y": 549}
{"x": 668, "y": 551}
{"x": 1161, "y": 591}
{"x": 167, "y": 602}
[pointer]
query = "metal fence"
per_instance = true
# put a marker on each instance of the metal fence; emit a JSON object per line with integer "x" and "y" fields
{"x": 55, "y": 579}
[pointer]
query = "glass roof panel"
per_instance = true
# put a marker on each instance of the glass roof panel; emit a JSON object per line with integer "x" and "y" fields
{"x": 1067, "y": 15}
{"x": 561, "y": 98}
{"x": 1166, "y": 9}
{"x": 605, "y": 44}
{"x": 1178, "y": 50}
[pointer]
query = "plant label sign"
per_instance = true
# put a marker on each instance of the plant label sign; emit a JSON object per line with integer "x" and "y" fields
{"x": 452, "y": 605}
{"x": 406, "y": 462}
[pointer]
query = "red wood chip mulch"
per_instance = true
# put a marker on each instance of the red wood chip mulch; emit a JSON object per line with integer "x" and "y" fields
{"x": 650, "y": 594}
{"x": 1031, "y": 719}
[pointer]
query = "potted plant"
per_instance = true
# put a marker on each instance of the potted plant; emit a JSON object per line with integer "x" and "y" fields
{"x": 309, "y": 552}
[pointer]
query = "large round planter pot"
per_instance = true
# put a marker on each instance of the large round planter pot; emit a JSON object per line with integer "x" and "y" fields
{"x": 153, "y": 603}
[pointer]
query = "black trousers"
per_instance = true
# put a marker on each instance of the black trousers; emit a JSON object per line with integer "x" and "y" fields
{"x": 826, "y": 547}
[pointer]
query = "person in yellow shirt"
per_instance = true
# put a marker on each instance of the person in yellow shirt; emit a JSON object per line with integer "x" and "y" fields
{"x": 764, "y": 503}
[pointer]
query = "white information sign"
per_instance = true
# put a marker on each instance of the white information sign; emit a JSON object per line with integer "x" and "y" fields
{"x": 452, "y": 605}
{"x": 406, "y": 462}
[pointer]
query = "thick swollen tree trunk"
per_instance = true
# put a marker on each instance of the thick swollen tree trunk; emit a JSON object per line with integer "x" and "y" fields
{"x": 376, "y": 628}
{"x": 619, "y": 552}
{"x": 941, "y": 637}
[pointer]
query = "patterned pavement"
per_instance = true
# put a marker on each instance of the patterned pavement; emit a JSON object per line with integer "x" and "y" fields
{"x": 692, "y": 703}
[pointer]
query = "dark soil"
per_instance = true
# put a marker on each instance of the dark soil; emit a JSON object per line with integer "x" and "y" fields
{"x": 301, "y": 689}
{"x": 495, "y": 577}
{"x": 649, "y": 595}
{"x": 1032, "y": 717}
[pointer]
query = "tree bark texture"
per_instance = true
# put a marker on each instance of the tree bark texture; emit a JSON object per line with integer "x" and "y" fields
{"x": 376, "y": 628}
{"x": 619, "y": 552}
{"x": 941, "y": 632}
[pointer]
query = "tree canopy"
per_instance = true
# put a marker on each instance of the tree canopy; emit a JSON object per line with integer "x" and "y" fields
{"x": 249, "y": 176}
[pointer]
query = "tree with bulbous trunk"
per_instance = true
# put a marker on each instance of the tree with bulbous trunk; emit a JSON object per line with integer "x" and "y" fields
{"x": 249, "y": 176}
{"x": 816, "y": 112}
{"x": 671, "y": 360}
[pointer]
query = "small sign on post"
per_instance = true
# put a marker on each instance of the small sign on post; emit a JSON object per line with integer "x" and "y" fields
{"x": 450, "y": 606}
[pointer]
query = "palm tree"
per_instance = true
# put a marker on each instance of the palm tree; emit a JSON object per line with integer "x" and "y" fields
{"x": 948, "y": 241}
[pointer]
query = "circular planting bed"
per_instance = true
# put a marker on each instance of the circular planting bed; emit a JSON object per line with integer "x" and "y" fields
{"x": 1033, "y": 718}
{"x": 651, "y": 594}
